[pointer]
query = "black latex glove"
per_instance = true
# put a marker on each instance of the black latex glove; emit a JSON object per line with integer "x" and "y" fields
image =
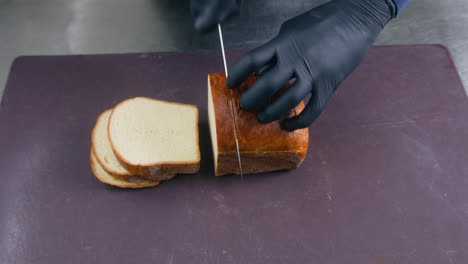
{"x": 319, "y": 48}
{"x": 209, "y": 13}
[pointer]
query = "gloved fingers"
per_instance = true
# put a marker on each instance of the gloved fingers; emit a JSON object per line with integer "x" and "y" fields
{"x": 206, "y": 20}
{"x": 208, "y": 14}
{"x": 228, "y": 14}
{"x": 310, "y": 113}
{"x": 266, "y": 86}
{"x": 195, "y": 7}
{"x": 266, "y": 68}
{"x": 289, "y": 99}
{"x": 250, "y": 63}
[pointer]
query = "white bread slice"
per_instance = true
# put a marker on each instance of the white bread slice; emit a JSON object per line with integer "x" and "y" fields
{"x": 106, "y": 157}
{"x": 122, "y": 182}
{"x": 102, "y": 148}
{"x": 149, "y": 135}
{"x": 212, "y": 123}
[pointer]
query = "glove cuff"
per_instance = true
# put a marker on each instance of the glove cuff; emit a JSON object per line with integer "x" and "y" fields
{"x": 380, "y": 11}
{"x": 393, "y": 8}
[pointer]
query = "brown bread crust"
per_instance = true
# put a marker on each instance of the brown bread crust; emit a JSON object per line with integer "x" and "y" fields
{"x": 131, "y": 181}
{"x": 98, "y": 158}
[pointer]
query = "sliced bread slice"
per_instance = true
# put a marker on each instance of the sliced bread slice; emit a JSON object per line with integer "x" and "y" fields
{"x": 149, "y": 136}
{"x": 106, "y": 157}
{"x": 102, "y": 148}
{"x": 131, "y": 181}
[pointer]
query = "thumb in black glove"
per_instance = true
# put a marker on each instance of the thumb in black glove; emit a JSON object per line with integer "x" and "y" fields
{"x": 319, "y": 48}
{"x": 209, "y": 13}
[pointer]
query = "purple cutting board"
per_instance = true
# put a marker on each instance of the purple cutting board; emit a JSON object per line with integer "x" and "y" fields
{"x": 385, "y": 180}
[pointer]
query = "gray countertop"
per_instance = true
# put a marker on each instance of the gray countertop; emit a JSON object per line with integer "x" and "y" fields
{"x": 29, "y": 27}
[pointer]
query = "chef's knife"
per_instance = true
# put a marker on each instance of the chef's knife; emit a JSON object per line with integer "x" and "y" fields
{"x": 231, "y": 106}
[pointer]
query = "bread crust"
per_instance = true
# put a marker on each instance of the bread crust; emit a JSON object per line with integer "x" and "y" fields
{"x": 158, "y": 170}
{"x": 263, "y": 147}
{"x": 131, "y": 181}
{"x": 98, "y": 158}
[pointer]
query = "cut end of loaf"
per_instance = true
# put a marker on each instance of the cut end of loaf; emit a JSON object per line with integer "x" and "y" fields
{"x": 213, "y": 132}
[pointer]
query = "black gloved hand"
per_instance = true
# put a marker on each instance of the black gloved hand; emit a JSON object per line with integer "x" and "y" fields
{"x": 319, "y": 48}
{"x": 209, "y": 13}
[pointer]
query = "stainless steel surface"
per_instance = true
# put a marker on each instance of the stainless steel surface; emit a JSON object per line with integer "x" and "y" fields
{"x": 231, "y": 106}
{"x": 116, "y": 26}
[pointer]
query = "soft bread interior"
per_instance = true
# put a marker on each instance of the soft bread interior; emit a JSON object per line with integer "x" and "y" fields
{"x": 212, "y": 122}
{"x": 123, "y": 182}
{"x": 102, "y": 147}
{"x": 147, "y": 132}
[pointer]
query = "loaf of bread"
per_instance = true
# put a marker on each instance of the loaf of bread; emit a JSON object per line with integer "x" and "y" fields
{"x": 152, "y": 137}
{"x": 263, "y": 147}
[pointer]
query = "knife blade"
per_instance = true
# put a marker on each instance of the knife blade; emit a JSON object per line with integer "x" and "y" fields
{"x": 231, "y": 106}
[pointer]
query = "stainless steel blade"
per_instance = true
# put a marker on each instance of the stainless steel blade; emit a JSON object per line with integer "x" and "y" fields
{"x": 231, "y": 106}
